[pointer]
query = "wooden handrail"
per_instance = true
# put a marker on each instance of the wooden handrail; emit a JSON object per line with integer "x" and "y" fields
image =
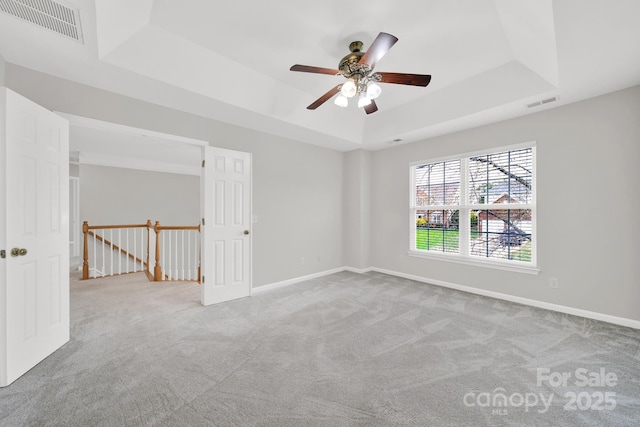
{"x": 176, "y": 227}
{"x": 86, "y": 230}
{"x": 101, "y": 227}
{"x": 157, "y": 228}
{"x": 157, "y": 270}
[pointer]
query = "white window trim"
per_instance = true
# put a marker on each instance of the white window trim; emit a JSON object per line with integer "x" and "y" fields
{"x": 514, "y": 266}
{"x": 464, "y": 257}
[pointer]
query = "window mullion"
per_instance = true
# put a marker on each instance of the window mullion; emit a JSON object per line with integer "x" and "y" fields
{"x": 412, "y": 208}
{"x": 464, "y": 212}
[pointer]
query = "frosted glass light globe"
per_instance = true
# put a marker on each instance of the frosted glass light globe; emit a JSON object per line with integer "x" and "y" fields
{"x": 349, "y": 88}
{"x": 341, "y": 101}
{"x": 373, "y": 90}
{"x": 363, "y": 101}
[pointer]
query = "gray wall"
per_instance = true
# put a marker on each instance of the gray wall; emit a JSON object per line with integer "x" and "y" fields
{"x": 588, "y": 235}
{"x": 112, "y": 195}
{"x": 335, "y": 209}
{"x": 2, "y": 70}
{"x": 297, "y": 188}
{"x": 357, "y": 212}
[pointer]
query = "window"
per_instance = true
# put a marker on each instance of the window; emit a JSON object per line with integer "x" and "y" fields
{"x": 494, "y": 191}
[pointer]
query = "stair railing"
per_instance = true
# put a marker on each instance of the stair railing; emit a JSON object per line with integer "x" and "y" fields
{"x": 123, "y": 249}
{"x": 177, "y": 253}
{"x": 114, "y": 249}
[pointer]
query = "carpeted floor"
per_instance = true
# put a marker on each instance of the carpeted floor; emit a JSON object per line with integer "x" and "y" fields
{"x": 345, "y": 349}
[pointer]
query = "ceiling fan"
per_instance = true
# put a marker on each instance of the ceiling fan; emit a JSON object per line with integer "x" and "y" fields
{"x": 357, "y": 68}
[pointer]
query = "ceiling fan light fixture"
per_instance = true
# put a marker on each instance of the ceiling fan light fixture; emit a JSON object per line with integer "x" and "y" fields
{"x": 357, "y": 67}
{"x": 373, "y": 90}
{"x": 341, "y": 101}
{"x": 363, "y": 101}
{"x": 349, "y": 89}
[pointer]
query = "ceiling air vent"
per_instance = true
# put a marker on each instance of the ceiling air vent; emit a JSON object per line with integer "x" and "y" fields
{"x": 49, "y": 14}
{"x": 543, "y": 102}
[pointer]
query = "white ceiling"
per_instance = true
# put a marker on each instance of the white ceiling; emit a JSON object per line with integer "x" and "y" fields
{"x": 102, "y": 143}
{"x": 230, "y": 60}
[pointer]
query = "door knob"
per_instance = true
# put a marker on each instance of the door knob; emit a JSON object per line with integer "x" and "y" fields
{"x": 246, "y": 231}
{"x": 18, "y": 252}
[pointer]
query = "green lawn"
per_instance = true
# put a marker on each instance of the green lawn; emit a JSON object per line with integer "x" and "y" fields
{"x": 522, "y": 254}
{"x": 437, "y": 239}
{"x": 447, "y": 241}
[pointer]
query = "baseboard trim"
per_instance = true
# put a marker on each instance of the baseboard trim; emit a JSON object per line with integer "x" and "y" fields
{"x": 622, "y": 321}
{"x": 266, "y": 288}
{"x": 358, "y": 270}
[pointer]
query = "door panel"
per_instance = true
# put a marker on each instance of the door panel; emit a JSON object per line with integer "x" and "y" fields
{"x": 226, "y": 239}
{"x": 33, "y": 217}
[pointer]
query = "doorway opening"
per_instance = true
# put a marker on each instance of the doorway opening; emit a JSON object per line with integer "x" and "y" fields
{"x": 119, "y": 176}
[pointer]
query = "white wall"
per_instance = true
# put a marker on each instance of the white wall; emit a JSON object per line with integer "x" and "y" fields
{"x": 356, "y": 215}
{"x": 586, "y": 152}
{"x": 297, "y": 188}
{"x": 111, "y": 195}
{"x": 2, "y": 70}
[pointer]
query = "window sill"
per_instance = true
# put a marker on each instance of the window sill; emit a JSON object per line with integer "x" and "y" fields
{"x": 458, "y": 259}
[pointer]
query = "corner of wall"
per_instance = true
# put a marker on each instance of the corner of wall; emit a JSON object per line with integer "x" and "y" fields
{"x": 356, "y": 207}
{"x": 3, "y": 64}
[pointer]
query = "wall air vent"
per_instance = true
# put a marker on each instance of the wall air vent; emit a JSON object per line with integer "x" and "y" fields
{"x": 49, "y": 14}
{"x": 543, "y": 102}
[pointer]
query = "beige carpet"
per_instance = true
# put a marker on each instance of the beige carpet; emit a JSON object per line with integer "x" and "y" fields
{"x": 346, "y": 349}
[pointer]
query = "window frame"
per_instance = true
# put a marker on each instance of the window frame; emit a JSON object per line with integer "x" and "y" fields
{"x": 464, "y": 256}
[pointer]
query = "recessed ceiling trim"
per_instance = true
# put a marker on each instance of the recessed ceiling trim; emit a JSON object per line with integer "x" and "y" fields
{"x": 52, "y": 15}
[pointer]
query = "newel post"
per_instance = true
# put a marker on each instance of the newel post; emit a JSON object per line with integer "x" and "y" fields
{"x": 199, "y": 259}
{"x": 149, "y": 226}
{"x": 157, "y": 269}
{"x": 85, "y": 251}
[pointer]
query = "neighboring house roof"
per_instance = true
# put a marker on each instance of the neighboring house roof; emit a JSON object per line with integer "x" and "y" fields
{"x": 438, "y": 194}
{"x": 493, "y": 212}
{"x": 505, "y": 198}
{"x": 497, "y": 190}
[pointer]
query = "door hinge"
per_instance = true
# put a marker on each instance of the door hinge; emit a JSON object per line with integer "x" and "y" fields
{"x": 202, "y": 221}
{"x": 202, "y": 279}
{"x": 3, "y": 254}
{"x": 203, "y": 163}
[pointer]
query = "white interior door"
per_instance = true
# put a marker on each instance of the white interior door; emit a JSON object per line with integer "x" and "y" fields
{"x": 34, "y": 233}
{"x": 226, "y": 228}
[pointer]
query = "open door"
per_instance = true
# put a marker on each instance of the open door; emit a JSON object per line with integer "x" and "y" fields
{"x": 226, "y": 225}
{"x": 34, "y": 233}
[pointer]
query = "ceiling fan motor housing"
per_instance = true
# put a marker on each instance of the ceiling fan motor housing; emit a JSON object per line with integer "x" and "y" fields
{"x": 349, "y": 64}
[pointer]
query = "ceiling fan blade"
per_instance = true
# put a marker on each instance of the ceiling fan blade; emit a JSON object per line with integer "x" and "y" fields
{"x": 378, "y": 49}
{"x": 405, "y": 79}
{"x": 324, "y": 98}
{"x": 311, "y": 69}
{"x": 371, "y": 108}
